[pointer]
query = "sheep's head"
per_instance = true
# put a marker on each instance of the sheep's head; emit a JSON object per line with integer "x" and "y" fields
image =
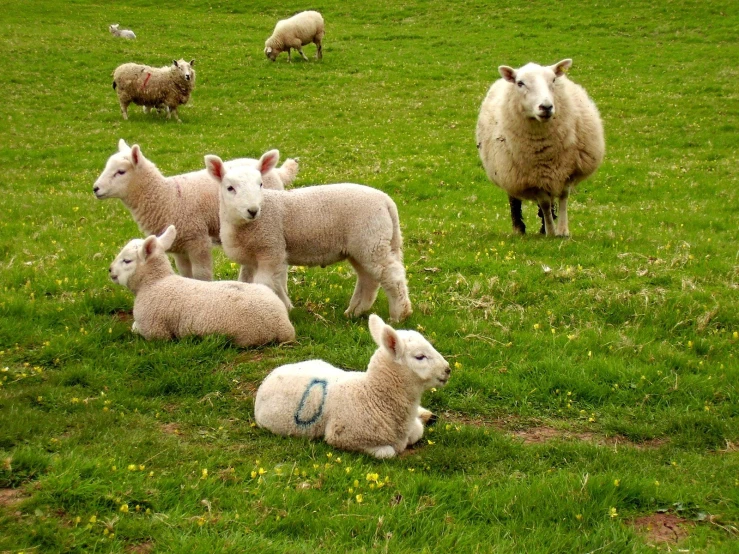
{"x": 118, "y": 173}
{"x": 241, "y": 187}
{"x": 137, "y": 252}
{"x": 535, "y": 85}
{"x": 271, "y": 53}
{"x": 410, "y": 350}
{"x": 113, "y": 28}
{"x": 185, "y": 69}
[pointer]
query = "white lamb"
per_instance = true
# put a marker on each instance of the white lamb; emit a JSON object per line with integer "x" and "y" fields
{"x": 295, "y": 32}
{"x": 123, "y": 33}
{"x": 169, "y": 306}
{"x": 377, "y": 412}
{"x": 188, "y": 201}
{"x": 154, "y": 87}
{"x": 267, "y": 230}
{"x": 539, "y": 135}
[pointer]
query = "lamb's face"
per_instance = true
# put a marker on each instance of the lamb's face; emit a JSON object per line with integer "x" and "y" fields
{"x": 125, "y": 264}
{"x": 423, "y": 360}
{"x": 535, "y": 86}
{"x": 113, "y": 181}
{"x": 185, "y": 69}
{"x": 241, "y": 194}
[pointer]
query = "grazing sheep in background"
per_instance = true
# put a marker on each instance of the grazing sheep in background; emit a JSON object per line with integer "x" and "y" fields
{"x": 151, "y": 87}
{"x": 188, "y": 201}
{"x": 267, "y": 230}
{"x": 539, "y": 135}
{"x": 296, "y": 32}
{"x": 377, "y": 412}
{"x": 169, "y": 306}
{"x": 123, "y": 33}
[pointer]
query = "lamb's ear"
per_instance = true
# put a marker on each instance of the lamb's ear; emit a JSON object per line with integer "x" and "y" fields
{"x": 174, "y": 62}
{"x": 268, "y": 161}
{"x": 385, "y": 336}
{"x": 560, "y": 68}
{"x": 148, "y": 248}
{"x": 192, "y": 63}
{"x": 136, "y": 154}
{"x": 166, "y": 239}
{"x": 122, "y": 146}
{"x": 268, "y": 50}
{"x": 215, "y": 167}
{"x": 508, "y": 73}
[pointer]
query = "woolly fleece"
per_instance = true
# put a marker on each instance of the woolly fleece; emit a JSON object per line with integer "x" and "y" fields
{"x": 295, "y": 32}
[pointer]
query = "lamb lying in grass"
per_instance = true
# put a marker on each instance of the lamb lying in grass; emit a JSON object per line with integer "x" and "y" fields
{"x": 169, "y": 306}
{"x": 377, "y": 412}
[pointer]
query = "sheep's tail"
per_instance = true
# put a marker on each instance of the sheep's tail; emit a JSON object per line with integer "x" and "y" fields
{"x": 396, "y": 242}
{"x": 288, "y": 171}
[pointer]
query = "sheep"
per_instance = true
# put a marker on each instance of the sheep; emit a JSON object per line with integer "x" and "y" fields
{"x": 539, "y": 134}
{"x": 150, "y": 87}
{"x": 170, "y": 306}
{"x": 189, "y": 201}
{"x": 377, "y": 412}
{"x": 295, "y": 32}
{"x": 123, "y": 33}
{"x": 267, "y": 230}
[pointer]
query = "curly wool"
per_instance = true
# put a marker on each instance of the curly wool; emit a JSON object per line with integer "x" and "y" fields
{"x": 295, "y": 32}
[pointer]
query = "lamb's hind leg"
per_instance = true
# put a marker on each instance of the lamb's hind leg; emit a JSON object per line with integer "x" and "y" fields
{"x": 365, "y": 292}
{"x": 517, "y": 216}
{"x": 202, "y": 263}
{"x": 386, "y": 451}
{"x": 546, "y": 209}
{"x": 319, "y": 51}
{"x": 184, "y": 266}
{"x": 563, "y": 229}
{"x": 396, "y": 289}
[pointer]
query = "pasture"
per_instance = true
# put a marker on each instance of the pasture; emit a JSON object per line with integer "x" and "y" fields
{"x": 594, "y": 379}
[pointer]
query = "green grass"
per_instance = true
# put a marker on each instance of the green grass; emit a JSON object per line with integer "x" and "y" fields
{"x": 627, "y": 347}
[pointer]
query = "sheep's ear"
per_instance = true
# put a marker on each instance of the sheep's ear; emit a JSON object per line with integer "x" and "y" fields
{"x": 268, "y": 50}
{"x": 560, "y": 68}
{"x": 174, "y": 62}
{"x": 122, "y": 146}
{"x": 508, "y": 73}
{"x": 215, "y": 167}
{"x": 192, "y": 63}
{"x": 149, "y": 247}
{"x": 385, "y": 336}
{"x": 136, "y": 154}
{"x": 268, "y": 161}
{"x": 166, "y": 239}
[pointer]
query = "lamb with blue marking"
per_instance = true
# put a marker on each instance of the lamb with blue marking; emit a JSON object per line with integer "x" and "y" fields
{"x": 377, "y": 412}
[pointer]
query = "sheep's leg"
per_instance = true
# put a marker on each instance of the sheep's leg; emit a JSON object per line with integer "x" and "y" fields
{"x": 546, "y": 209}
{"x": 415, "y": 432}
{"x": 517, "y": 215}
{"x": 540, "y": 214}
{"x": 319, "y": 51}
{"x": 563, "y": 229}
{"x": 184, "y": 266}
{"x": 171, "y": 111}
{"x": 202, "y": 264}
{"x": 302, "y": 54}
{"x": 427, "y": 417}
{"x": 396, "y": 289}
{"x": 135, "y": 328}
{"x": 124, "y": 109}
{"x": 365, "y": 292}
{"x": 276, "y": 280}
{"x": 246, "y": 274}
{"x": 386, "y": 451}
{"x": 289, "y": 58}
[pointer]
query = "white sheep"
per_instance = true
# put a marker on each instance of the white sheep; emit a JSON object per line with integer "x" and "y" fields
{"x": 377, "y": 412}
{"x": 267, "y": 230}
{"x": 538, "y": 135}
{"x": 188, "y": 201}
{"x": 123, "y": 33}
{"x": 295, "y": 32}
{"x": 151, "y": 87}
{"x": 170, "y": 306}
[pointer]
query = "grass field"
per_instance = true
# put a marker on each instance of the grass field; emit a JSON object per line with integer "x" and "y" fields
{"x": 582, "y": 398}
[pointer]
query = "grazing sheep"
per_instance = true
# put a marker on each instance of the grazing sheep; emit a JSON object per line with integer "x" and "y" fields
{"x": 377, "y": 412}
{"x": 267, "y": 230}
{"x": 151, "y": 87}
{"x": 539, "y": 135}
{"x": 123, "y": 33}
{"x": 296, "y": 32}
{"x": 188, "y": 201}
{"x": 169, "y": 306}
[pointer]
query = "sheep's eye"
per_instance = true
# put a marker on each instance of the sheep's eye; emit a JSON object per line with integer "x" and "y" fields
{"x": 261, "y": 185}
{"x": 127, "y": 261}
{"x": 231, "y": 189}
{"x": 120, "y": 172}
{"x": 520, "y": 84}
{"x": 420, "y": 357}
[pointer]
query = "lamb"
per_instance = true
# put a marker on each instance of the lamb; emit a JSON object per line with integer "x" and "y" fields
{"x": 151, "y": 87}
{"x": 188, "y": 201}
{"x": 267, "y": 230}
{"x": 295, "y": 32}
{"x": 539, "y": 134}
{"x": 377, "y": 412}
{"x": 123, "y": 33}
{"x": 169, "y": 306}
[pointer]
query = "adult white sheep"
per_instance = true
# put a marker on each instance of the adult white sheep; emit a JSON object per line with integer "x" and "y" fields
{"x": 123, "y": 33}
{"x": 295, "y": 32}
{"x": 188, "y": 201}
{"x": 267, "y": 230}
{"x": 170, "y": 306}
{"x": 151, "y": 87}
{"x": 377, "y": 412}
{"x": 539, "y": 135}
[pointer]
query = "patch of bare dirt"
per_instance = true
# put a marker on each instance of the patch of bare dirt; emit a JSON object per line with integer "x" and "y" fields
{"x": 10, "y": 497}
{"x": 662, "y": 528}
{"x": 141, "y": 548}
{"x": 171, "y": 428}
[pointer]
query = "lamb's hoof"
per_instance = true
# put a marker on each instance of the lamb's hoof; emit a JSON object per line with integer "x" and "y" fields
{"x": 382, "y": 452}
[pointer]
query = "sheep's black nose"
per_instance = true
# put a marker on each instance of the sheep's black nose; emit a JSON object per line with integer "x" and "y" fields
{"x": 253, "y": 213}
{"x": 95, "y": 189}
{"x": 545, "y": 108}
{"x": 448, "y": 370}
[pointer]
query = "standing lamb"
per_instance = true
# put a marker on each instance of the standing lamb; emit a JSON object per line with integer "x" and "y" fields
{"x": 377, "y": 412}
{"x": 539, "y": 135}
{"x": 188, "y": 201}
{"x": 296, "y": 32}
{"x": 151, "y": 87}
{"x": 267, "y": 230}
{"x": 123, "y": 33}
{"x": 169, "y": 306}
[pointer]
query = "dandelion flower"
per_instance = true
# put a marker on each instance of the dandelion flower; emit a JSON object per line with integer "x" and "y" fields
{"x": 616, "y": 482}
{"x": 204, "y": 474}
{"x": 124, "y": 508}
{"x": 613, "y": 513}
{"x": 359, "y": 498}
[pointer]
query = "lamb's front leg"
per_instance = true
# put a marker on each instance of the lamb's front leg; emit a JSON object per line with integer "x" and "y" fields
{"x": 276, "y": 279}
{"x": 300, "y": 50}
{"x": 182, "y": 261}
{"x": 563, "y": 229}
{"x": 381, "y": 452}
{"x": 415, "y": 432}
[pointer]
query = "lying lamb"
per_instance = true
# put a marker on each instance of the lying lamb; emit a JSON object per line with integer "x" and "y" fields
{"x": 266, "y": 230}
{"x": 165, "y": 87}
{"x": 539, "y": 135}
{"x": 123, "y": 33}
{"x": 377, "y": 412}
{"x": 169, "y": 306}
{"x": 188, "y": 201}
{"x": 296, "y": 32}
